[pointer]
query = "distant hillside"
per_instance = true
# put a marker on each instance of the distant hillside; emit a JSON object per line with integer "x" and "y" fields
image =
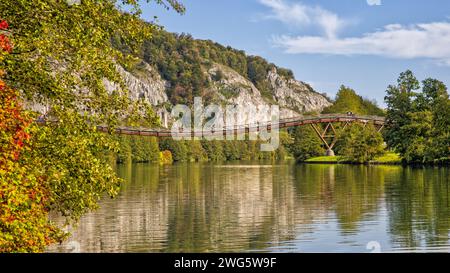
{"x": 176, "y": 68}
{"x": 182, "y": 59}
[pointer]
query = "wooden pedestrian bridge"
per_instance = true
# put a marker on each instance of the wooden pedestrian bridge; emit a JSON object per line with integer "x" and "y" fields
{"x": 323, "y": 125}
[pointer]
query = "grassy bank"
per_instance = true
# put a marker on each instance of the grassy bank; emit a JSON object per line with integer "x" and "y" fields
{"x": 388, "y": 159}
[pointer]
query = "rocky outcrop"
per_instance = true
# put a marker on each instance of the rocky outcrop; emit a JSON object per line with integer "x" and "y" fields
{"x": 228, "y": 87}
{"x": 145, "y": 83}
{"x": 233, "y": 89}
{"x": 295, "y": 95}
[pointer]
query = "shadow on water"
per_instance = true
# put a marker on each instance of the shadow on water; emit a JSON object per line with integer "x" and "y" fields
{"x": 260, "y": 206}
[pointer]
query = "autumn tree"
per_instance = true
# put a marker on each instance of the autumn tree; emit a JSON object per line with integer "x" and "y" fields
{"x": 61, "y": 57}
{"x": 24, "y": 193}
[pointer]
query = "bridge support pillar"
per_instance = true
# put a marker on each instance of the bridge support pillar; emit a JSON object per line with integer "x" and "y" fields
{"x": 330, "y": 152}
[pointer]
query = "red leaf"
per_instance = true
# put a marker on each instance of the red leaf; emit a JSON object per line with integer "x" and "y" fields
{"x": 3, "y": 25}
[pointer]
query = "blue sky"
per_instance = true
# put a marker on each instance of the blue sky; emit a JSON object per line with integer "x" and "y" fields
{"x": 363, "y": 44}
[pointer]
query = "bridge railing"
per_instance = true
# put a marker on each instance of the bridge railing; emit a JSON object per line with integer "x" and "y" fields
{"x": 335, "y": 116}
{"x": 255, "y": 126}
{"x": 310, "y": 118}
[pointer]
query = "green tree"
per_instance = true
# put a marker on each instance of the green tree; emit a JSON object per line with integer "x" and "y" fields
{"x": 196, "y": 152}
{"x": 399, "y": 103}
{"x": 436, "y": 96}
{"x": 418, "y": 133}
{"x": 124, "y": 154}
{"x": 347, "y": 100}
{"x": 178, "y": 149}
{"x": 231, "y": 150}
{"x": 214, "y": 150}
{"x": 253, "y": 151}
{"x": 154, "y": 151}
{"x": 144, "y": 149}
{"x": 306, "y": 144}
{"x": 359, "y": 143}
{"x": 285, "y": 140}
{"x": 417, "y": 124}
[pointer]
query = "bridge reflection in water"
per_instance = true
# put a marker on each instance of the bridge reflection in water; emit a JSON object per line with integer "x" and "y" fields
{"x": 281, "y": 207}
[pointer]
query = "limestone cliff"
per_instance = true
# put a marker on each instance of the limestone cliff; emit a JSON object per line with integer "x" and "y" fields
{"x": 295, "y": 95}
{"x": 227, "y": 87}
{"x": 230, "y": 88}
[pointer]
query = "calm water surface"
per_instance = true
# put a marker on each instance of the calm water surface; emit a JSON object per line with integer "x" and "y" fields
{"x": 265, "y": 207}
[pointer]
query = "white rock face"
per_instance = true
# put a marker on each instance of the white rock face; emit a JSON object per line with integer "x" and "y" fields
{"x": 295, "y": 95}
{"x": 148, "y": 85}
{"x": 234, "y": 89}
{"x": 231, "y": 88}
{"x": 227, "y": 88}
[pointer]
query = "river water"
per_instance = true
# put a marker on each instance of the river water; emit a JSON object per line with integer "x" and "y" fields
{"x": 266, "y": 207}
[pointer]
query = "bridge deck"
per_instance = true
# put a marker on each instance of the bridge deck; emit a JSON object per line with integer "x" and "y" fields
{"x": 242, "y": 129}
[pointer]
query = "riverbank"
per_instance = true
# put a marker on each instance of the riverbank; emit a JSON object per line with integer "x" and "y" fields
{"x": 387, "y": 159}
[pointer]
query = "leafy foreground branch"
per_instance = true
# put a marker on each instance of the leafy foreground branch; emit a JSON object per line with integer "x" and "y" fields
{"x": 57, "y": 56}
{"x": 24, "y": 193}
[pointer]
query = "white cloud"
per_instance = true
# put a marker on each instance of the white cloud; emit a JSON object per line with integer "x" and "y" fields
{"x": 374, "y": 2}
{"x": 431, "y": 40}
{"x": 302, "y": 16}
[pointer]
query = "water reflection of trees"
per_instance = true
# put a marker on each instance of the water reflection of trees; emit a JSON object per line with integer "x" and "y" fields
{"x": 419, "y": 207}
{"x": 351, "y": 192}
{"x": 228, "y": 208}
{"x": 206, "y": 207}
{"x": 416, "y": 199}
